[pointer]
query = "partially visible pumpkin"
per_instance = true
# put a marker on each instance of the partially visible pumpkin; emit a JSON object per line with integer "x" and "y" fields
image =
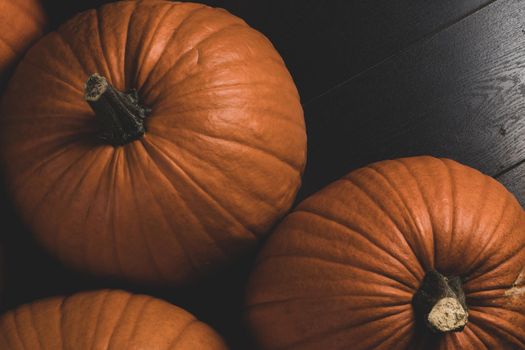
{"x": 415, "y": 253}
{"x": 22, "y": 22}
{"x": 220, "y": 160}
{"x": 104, "y": 320}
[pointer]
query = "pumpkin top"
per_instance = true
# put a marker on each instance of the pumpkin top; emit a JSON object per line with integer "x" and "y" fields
{"x": 193, "y": 149}
{"x": 362, "y": 261}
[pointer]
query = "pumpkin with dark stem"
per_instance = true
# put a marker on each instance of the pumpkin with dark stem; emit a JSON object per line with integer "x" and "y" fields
{"x": 152, "y": 140}
{"x": 103, "y": 320}
{"x": 22, "y": 22}
{"x": 415, "y": 253}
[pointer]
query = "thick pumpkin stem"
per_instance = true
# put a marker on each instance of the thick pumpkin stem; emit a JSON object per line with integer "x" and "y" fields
{"x": 440, "y": 303}
{"x": 119, "y": 114}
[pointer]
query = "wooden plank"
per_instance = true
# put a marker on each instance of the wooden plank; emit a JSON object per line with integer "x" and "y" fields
{"x": 326, "y": 42}
{"x": 514, "y": 180}
{"x": 458, "y": 94}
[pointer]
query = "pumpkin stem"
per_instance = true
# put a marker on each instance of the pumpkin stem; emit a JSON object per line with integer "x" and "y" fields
{"x": 440, "y": 303}
{"x": 119, "y": 114}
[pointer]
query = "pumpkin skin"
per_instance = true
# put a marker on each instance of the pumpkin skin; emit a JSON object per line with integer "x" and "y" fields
{"x": 220, "y": 162}
{"x": 103, "y": 320}
{"x": 22, "y": 22}
{"x": 341, "y": 270}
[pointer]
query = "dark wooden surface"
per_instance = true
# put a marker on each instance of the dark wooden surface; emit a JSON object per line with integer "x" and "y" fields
{"x": 378, "y": 79}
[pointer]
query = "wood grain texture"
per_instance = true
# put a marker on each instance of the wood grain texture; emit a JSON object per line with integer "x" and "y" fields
{"x": 458, "y": 94}
{"x": 326, "y": 42}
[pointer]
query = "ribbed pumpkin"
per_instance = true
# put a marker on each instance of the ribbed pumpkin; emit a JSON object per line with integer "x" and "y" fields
{"x": 152, "y": 140}
{"x": 104, "y": 320}
{"x": 21, "y": 23}
{"x": 415, "y": 253}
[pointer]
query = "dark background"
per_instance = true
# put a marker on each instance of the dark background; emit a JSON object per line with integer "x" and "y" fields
{"x": 378, "y": 79}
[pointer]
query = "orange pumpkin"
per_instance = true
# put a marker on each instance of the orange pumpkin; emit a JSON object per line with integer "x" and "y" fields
{"x": 152, "y": 140}
{"x": 415, "y": 253}
{"x": 103, "y": 320}
{"x": 21, "y": 23}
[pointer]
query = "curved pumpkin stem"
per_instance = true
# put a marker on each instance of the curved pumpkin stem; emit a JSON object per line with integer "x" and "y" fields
{"x": 119, "y": 114}
{"x": 440, "y": 303}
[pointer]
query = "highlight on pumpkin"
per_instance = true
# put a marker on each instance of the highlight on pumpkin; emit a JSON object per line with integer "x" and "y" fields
{"x": 106, "y": 319}
{"x": 412, "y": 253}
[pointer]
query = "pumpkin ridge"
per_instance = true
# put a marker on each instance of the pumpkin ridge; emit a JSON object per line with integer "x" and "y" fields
{"x": 395, "y": 225}
{"x": 472, "y": 329}
{"x": 510, "y": 260}
{"x": 194, "y": 48}
{"x": 35, "y": 60}
{"x": 53, "y": 186}
{"x": 396, "y": 331}
{"x": 61, "y": 325}
{"x": 114, "y": 161}
{"x": 299, "y": 299}
{"x": 61, "y": 150}
{"x": 269, "y": 153}
{"x": 337, "y": 330}
{"x": 271, "y": 86}
{"x": 98, "y": 27}
{"x": 483, "y": 194}
{"x": 16, "y": 322}
{"x": 126, "y": 80}
{"x": 104, "y": 298}
{"x": 489, "y": 242}
{"x": 407, "y": 217}
{"x": 402, "y": 162}
{"x": 54, "y": 77}
{"x": 62, "y": 38}
{"x": 263, "y": 200}
{"x": 219, "y": 66}
{"x": 145, "y": 237}
{"x": 118, "y": 322}
{"x": 276, "y": 113}
{"x": 79, "y": 183}
{"x": 325, "y": 260}
{"x": 145, "y": 52}
{"x": 358, "y": 232}
{"x": 396, "y": 337}
{"x": 145, "y": 304}
{"x": 473, "y": 294}
{"x": 21, "y": 119}
{"x": 181, "y": 199}
{"x": 181, "y": 334}
{"x": 169, "y": 41}
{"x": 203, "y": 190}
{"x": 453, "y": 202}
{"x": 493, "y": 326}
{"x": 184, "y": 203}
